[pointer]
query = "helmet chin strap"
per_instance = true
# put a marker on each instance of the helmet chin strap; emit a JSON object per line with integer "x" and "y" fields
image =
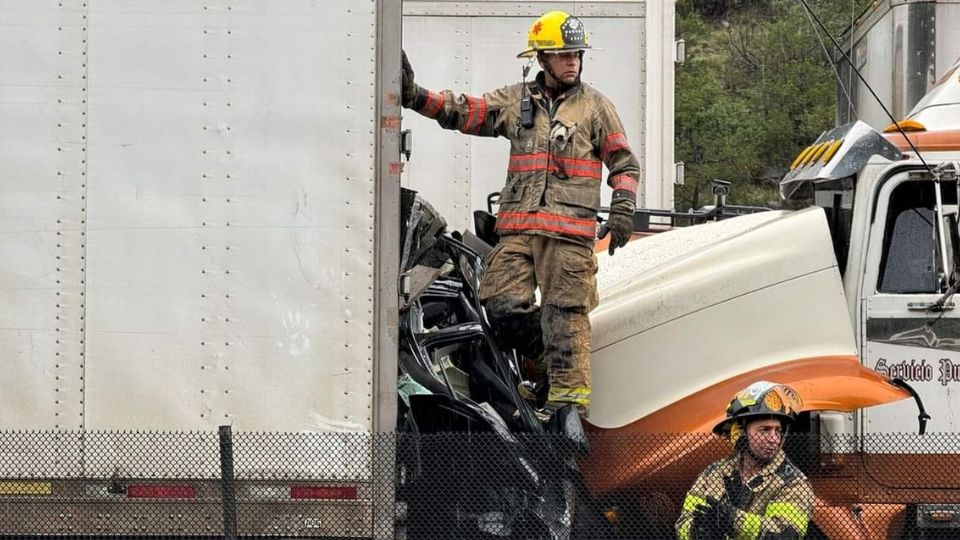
{"x": 743, "y": 445}
{"x": 759, "y": 460}
{"x": 562, "y": 86}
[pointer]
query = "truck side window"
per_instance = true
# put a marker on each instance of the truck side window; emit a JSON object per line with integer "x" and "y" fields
{"x": 836, "y": 199}
{"x": 908, "y": 264}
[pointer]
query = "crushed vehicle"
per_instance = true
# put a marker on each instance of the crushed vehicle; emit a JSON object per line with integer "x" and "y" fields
{"x": 456, "y": 379}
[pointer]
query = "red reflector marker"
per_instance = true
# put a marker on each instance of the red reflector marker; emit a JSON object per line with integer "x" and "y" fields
{"x": 323, "y": 492}
{"x": 161, "y": 492}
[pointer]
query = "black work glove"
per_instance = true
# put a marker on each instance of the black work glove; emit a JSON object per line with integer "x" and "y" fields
{"x": 717, "y": 517}
{"x": 408, "y": 87}
{"x": 738, "y": 494}
{"x": 620, "y": 224}
{"x": 703, "y": 524}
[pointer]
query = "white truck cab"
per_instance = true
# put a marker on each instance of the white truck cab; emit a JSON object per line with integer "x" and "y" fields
{"x": 891, "y": 202}
{"x": 896, "y": 243}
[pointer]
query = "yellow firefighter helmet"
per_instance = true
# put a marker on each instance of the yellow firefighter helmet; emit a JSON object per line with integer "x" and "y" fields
{"x": 555, "y": 31}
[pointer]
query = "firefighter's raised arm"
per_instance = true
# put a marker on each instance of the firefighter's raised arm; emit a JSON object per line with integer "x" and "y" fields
{"x": 465, "y": 113}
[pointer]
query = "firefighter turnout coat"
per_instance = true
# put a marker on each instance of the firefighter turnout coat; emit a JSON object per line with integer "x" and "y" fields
{"x": 555, "y": 168}
{"x": 775, "y": 504}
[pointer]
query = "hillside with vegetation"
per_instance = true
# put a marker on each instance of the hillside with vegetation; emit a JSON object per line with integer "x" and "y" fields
{"x": 756, "y": 88}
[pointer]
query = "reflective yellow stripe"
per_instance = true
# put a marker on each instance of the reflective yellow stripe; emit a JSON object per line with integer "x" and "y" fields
{"x": 750, "y": 529}
{"x": 692, "y": 502}
{"x": 580, "y": 396}
{"x": 791, "y": 513}
{"x": 26, "y": 488}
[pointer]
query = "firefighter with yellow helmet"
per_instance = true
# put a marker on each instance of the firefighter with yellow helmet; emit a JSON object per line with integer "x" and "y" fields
{"x": 756, "y": 492}
{"x": 562, "y": 132}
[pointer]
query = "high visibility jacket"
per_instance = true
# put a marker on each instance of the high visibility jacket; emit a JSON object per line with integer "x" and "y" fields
{"x": 552, "y": 188}
{"x": 775, "y": 504}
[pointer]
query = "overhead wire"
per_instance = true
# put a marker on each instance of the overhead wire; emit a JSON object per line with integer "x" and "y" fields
{"x": 833, "y": 66}
{"x": 853, "y": 67}
{"x": 935, "y": 173}
{"x": 853, "y": 8}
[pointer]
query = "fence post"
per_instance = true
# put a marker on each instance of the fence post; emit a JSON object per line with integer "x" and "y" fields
{"x": 384, "y": 505}
{"x": 227, "y": 488}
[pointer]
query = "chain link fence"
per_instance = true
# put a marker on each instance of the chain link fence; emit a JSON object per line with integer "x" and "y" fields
{"x": 464, "y": 486}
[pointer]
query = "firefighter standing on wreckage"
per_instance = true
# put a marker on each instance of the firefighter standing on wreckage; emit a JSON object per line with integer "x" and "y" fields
{"x": 561, "y": 131}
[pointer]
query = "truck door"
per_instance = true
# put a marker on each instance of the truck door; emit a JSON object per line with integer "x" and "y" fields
{"x": 902, "y": 336}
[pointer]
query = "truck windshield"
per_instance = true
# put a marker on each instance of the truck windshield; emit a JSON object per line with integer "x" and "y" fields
{"x": 836, "y": 199}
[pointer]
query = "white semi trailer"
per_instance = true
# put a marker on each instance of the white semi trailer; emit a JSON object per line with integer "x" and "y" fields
{"x": 199, "y": 226}
{"x": 902, "y": 48}
{"x": 198, "y": 208}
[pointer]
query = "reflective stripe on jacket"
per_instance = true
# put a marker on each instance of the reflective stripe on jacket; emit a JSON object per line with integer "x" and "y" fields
{"x": 551, "y": 188}
{"x": 777, "y": 503}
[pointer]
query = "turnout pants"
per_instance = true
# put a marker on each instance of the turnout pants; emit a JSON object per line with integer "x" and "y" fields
{"x": 565, "y": 272}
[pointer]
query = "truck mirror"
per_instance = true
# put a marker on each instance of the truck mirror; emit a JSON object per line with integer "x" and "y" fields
{"x": 952, "y": 244}
{"x": 956, "y": 214}
{"x": 946, "y": 224}
{"x": 952, "y": 231}
{"x": 953, "y": 247}
{"x": 721, "y": 188}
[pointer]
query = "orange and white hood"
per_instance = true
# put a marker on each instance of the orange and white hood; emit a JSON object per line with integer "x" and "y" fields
{"x": 690, "y": 316}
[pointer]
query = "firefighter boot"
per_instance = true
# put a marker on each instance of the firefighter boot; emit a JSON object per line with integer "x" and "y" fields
{"x": 535, "y": 385}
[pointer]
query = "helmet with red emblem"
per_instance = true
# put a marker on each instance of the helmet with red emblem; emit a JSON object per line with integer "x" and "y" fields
{"x": 554, "y": 32}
